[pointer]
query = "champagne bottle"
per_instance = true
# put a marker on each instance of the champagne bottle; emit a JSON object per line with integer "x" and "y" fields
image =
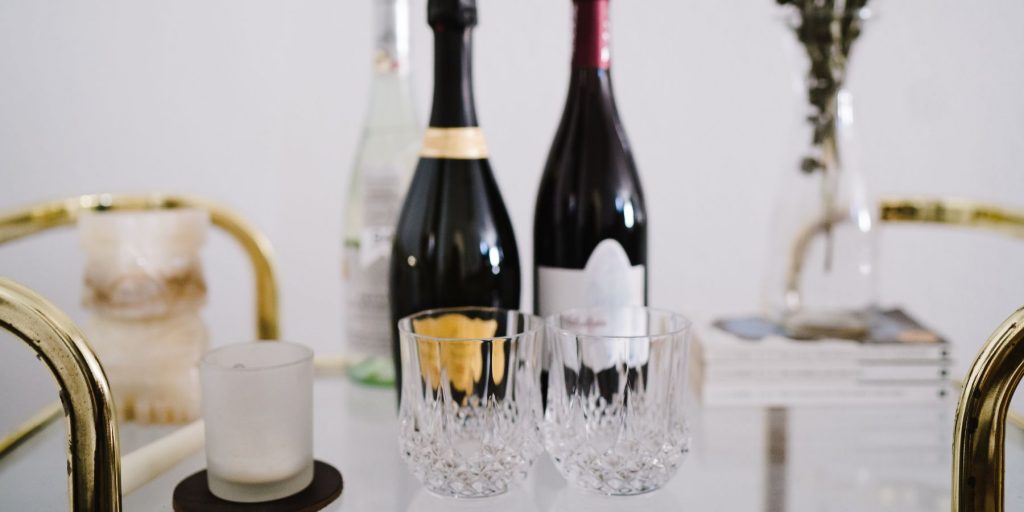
{"x": 454, "y": 245}
{"x": 590, "y": 225}
{"x": 384, "y": 165}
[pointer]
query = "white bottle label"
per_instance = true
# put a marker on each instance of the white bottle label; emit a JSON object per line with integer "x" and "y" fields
{"x": 366, "y": 302}
{"x": 607, "y": 280}
{"x": 368, "y": 315}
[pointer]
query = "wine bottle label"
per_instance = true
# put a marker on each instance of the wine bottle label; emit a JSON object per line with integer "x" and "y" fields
{"x": 607, "y": 280}
{"x": 368, "y": 315}
{"x": 612, "y": 353}
{"x": 454, "y": 143}
{"x": 368, "y": 319}
{"x": 382, "y": 203}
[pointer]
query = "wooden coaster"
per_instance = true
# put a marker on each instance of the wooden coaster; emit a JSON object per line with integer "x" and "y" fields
{"x": 193, "y": 494}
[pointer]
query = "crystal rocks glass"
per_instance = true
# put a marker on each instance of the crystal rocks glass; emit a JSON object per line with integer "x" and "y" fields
{"x": 615, "y": 419}
{"x": 471, "y": 401}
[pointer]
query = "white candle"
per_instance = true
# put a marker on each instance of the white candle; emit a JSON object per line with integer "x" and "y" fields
{"x": 258, "y": 407}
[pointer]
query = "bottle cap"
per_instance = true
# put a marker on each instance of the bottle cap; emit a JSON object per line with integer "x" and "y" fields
{"x": 456, "y": 13}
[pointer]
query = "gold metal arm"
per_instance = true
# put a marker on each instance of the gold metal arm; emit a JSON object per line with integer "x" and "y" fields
{"x": 94, "y": 463}
{"x": 30, "y": 427}
{"x": 44, "y": 216}
{"x": 958, "y": 212}
{"x": 946, "y": 211}
{"x": 979, "y": 433}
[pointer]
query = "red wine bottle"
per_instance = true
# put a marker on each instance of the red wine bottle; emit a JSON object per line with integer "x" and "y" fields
{"x": 454, "y": 244}
{"x": 590, "y": 225}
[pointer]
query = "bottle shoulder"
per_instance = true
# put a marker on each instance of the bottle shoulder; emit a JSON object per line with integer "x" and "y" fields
{"x": 590, "y": 189}
{"x": 582, "y": 164}
{"x": 590, "y": 143}
{"x": 454, "y": 223}
{"x": 456, "y": 195}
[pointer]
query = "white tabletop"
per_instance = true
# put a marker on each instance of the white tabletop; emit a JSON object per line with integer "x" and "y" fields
{"x": 793, "y": 460}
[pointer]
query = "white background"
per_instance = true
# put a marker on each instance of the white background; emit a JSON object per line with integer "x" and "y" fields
{"x": 259, "y": 104}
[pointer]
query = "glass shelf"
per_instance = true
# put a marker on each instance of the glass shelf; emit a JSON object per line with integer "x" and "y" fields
{"x": 744, "y": 459}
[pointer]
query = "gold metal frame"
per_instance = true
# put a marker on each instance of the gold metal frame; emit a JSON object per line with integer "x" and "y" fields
{"x": 94, "y": 462}
{"x": 957, "y": 212}
{"x": 44, "y": 216}
{"x": 30, "y": 427}
{"x": 979, "y": 434}
{"x": 89, "y": 491}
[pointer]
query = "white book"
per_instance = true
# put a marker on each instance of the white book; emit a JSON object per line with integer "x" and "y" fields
{"x": 715, "y": 395}
{"x": 850, "y": 371}
{"x": 722, "y": 346}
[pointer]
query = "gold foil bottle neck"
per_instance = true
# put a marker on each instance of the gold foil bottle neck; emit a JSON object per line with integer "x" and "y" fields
{"x": 454, "y": 143}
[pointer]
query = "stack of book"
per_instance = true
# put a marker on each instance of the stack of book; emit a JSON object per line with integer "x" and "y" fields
{"x": 749, "y": 362}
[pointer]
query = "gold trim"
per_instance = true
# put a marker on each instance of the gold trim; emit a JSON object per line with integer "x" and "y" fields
{"x": 960, "y": 212}
{"x": 44, "y": 216}
{"x": 979, "y": 432}
{"x": 30, "y": 427}
{"x": 454, "y": 143}
{"x": 94, "y": 463}
{"x": 1012, "y": 418}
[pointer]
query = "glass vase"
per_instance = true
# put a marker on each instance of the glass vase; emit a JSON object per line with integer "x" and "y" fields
{"x": 822, "y": 276}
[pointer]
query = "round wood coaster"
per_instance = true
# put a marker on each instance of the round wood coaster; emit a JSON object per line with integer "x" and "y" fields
{"x": 193, "y": 494}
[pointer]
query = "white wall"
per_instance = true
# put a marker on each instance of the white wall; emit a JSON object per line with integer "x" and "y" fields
{"x": 259, "y": 103}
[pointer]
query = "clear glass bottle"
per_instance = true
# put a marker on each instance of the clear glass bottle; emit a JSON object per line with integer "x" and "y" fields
{"x": 822, "y": 276}
{"x": 384, "y": 164}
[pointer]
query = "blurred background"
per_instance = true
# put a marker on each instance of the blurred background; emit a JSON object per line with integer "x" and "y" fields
{"x": 259, "y": 104}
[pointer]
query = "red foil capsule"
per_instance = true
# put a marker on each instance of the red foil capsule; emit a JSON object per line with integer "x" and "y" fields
{"x": 593, "y": 35}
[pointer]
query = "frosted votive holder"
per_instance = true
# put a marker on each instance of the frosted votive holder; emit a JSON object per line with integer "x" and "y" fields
{"x": 258, "y": 409}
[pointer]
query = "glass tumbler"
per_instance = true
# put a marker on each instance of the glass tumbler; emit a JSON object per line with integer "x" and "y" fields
{"x": 471, "y": 403}
{"x": 258, "y": 409}
{"x": 615, "y": 420}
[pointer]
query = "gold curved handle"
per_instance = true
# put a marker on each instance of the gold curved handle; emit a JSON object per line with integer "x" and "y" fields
{"x": 53, "y": 214}
{"x": 959, "y": 212}
{"x": 979, "y": 434}
{"x": 94, "y": 463}
{"x": 44, "y": 216}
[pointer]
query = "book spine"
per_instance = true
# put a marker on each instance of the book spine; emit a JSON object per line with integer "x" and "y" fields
{"x": 810, "y": 353}
{"x": 847, "y": 395}
{"x": 721, "y": 372}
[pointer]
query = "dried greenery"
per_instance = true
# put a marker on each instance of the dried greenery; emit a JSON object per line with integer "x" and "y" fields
{"x": 827, "y": 29}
